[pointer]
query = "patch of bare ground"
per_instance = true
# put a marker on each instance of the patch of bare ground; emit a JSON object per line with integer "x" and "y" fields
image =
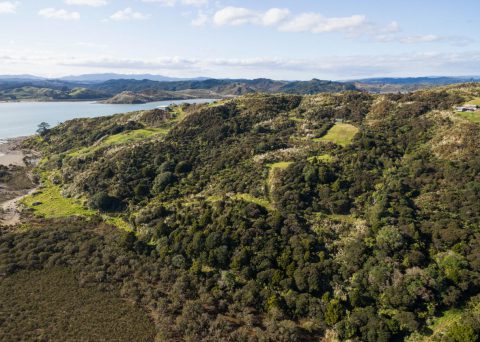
{"x": 455, "y": 138}
{"x": 16, "y": 179}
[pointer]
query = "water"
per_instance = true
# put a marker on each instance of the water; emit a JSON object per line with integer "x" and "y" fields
{"x": 22, "y": 118}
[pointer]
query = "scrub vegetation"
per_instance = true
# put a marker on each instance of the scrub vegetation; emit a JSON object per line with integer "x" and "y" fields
{"x": 358, "y": 220}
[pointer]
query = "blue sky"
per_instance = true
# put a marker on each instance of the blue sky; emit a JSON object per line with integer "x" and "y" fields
{"x": 278, "y": 39}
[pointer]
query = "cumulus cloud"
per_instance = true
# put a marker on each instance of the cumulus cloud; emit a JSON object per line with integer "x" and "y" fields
{"x": 92, "y": 3}
{"x": 8, "y": 7}
{"x": 317, "y": 23}
{"x": 235, "y": 16}
{"x": 52, "y": 13}
{"x": 285, "y": 21}
{"x": 275, "y": 16}
{"x": 128, "y": 14}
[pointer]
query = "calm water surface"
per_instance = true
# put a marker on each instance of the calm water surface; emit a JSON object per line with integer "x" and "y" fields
{"x": 21, "y": 118}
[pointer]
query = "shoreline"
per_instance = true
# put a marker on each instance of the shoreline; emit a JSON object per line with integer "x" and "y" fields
{"x": 11, "y": 152}
{"x": 103, "y": 100}
{"x": 16, "y": 181}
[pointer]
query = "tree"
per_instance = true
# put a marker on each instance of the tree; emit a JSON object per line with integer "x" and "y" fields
{"x": 43, "y": 128}
{"x": 162, "y": 181}
{"x": 104, "y": 202}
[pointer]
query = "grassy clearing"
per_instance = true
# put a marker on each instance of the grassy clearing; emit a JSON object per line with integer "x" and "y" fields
{"x": 326, "y": 158}
{"x": 475, "y": 101}
{"x": 280, "y": 165}
{"x": 471, "y": 116}
{"x": 120, "y": 139}
{"x": 117, "y": 222}
{"x": 49, "y": 305}
{"x": 48, "y": 202}
{"x": 341, "y": 134}
{"x": 259, "y": 201}
{"x": 442, "y": 324}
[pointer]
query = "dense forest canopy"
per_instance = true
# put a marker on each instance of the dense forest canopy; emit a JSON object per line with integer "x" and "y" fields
{"x": 274, "y": 217}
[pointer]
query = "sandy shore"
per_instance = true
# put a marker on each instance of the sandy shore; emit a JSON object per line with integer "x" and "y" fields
{"x": 18, "y": 182}
{"x": 11, "y": 152}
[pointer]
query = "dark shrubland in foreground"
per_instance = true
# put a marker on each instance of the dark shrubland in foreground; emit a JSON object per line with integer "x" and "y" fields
{"x": 273, "y": 217}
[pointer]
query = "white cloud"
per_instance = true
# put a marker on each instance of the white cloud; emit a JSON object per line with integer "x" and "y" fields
{"x": 200, "y": 20}
{"x": 128, "y": 14}
{"x": 235, "y": 16}
{"x": 284, "y": 21}
{"x": 92, "y": 3}
{"x": 52, "y": 13}
{"x": 171, "y": 3}
{"x": 275, "y": 16}
{"x": 8, "y": 7}
{"x": 423, "y": 39}
{"x": 167, "y": 3}
{"x": 317, "y": 23}
{"x": 428, "y": 38}
{"x": 195, "y": 2}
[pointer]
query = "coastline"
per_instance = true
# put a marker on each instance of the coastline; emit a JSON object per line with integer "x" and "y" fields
{"x": 16, "y": 179}
{"x": 11, "y": 152}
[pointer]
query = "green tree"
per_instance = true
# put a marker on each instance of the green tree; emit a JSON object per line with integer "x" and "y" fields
{"x": 43, "y": 128}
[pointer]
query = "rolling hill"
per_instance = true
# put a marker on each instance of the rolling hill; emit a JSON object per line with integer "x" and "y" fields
{"x": 267, "y": 217}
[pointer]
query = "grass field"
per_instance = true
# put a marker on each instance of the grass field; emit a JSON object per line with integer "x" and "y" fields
{"x": 341, "y": 134}
{"x": 49, "y": 305}
{"x": 50, "y": 203}
{"x": 471, "y": 116}
{"x": 120, "y": 139}
{"x": 280, "y": 165}
{"x": 475, "y": 101}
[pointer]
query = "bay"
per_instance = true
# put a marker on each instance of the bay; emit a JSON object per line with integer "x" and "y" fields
{"x": 22, "y": 118}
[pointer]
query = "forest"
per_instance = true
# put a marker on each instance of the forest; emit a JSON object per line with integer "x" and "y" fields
{"x": 266, "y": 217}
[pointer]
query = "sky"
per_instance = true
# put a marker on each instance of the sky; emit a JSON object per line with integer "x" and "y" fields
{"x": 279, "y": 39}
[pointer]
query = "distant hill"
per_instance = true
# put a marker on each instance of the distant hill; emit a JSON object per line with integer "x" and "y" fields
{"x": 147, "y": 90}
{"x": 406, "y": 84}
{"x": 20, "y": 77}
{"x": 440, "y": 80}
{"x": 218, "y": 88}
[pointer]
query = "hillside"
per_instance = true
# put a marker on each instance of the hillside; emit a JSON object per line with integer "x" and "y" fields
{"x": 140, "y": 91}
{"x": 265, "y": 217}
{"x": 406, "y": 84}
